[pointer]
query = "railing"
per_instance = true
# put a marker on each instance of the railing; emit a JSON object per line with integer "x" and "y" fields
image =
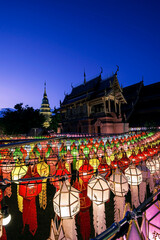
{"x": 118, "y": 230}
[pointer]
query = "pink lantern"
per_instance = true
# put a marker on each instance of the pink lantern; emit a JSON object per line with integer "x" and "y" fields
{"x": 151, "y": 222}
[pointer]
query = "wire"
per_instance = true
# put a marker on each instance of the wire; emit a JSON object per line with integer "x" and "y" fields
{"x": 61, "y": 178}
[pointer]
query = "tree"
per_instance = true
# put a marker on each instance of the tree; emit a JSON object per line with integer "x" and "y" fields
{"x": 21, "y": 120}
{"x": 55, "y": 120}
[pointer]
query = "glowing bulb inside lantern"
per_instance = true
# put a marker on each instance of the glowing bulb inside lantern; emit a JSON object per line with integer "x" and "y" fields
{"x": 6, "y": 216}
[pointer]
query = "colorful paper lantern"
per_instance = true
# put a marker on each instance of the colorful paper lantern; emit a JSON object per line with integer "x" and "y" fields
{"x": 98, "y": 191}
{"x": 29, "y": 190}
{"x": 66, "y": 204}
{"x": 119, "y": 186}
{"x": 43, "y": 171}
{"x": 134, "y": 177}
{"x": 150, "y": 227}
{"x": 85, "y": 171}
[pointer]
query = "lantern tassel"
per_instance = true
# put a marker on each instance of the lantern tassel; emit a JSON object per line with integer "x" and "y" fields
{"x": 99, "y": 218}
{"x": 69, "y": 227}
{"x": 84, "y": 223}
{"x": 151, "y": 183}
{"x": 20, "y": 200}
{"x": 142, "y": 191}
{"x": 30, "y": 215}
{"x": 43, "y": 195}
{"x": 134, "y": 196}
{"x": 8, "y": 190}
{"x": 119, "y": 204}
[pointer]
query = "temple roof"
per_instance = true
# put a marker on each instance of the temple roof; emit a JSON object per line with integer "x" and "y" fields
{"x": 131, "y": 94}
{"x": 93, "y": 89}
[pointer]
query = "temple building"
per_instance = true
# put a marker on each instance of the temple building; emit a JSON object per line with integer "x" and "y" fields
{"x": 143, "y": 104}
{"x": 45, "y": 109}
{"x": 94, "y": 107}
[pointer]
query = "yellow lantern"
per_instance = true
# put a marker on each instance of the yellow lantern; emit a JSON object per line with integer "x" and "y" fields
{"x": 94, "y": 162}
{"x": 80, "y": 161}
{"x": 18, "y": 172}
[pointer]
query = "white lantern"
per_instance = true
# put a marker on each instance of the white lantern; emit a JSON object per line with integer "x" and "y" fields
{"x": 134, "y": 177}
{"x": 66, "y": 201}
{"x": 66, "y": 205}
{"x": 98, "y": 189}
{"x": 143, "y": 185}
{"x": 151, "y": 165}
{"x": 118, "y": 183}
{"x": 119, "y": 186}
{"x": 157, "y": 163}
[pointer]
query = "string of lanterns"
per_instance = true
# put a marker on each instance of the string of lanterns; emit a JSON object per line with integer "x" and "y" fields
{"x": 116, "y": 164}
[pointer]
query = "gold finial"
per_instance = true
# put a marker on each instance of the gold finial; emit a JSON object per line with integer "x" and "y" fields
{"x": 117, "y": 69}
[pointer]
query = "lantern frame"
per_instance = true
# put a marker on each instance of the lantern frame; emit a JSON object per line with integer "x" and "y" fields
{"x": 98, "y": 189}
{"x": 118, "y": 183}
{"x": 134, "y": 175}
{"x": 66, "y": 201}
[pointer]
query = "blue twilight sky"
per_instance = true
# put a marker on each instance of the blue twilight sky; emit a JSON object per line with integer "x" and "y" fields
{"x": 55, "y": 40}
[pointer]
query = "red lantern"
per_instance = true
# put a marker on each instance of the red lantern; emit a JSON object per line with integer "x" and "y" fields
{"x": 141, "y": 156}
{"x": 89, "y": 145}
{"x": 84, "y": 215}
{"x": 134, "y": 159}
{"x": 82, "y": 146}
{"x": 96, "y": 144}
{"x": 29, "y": 190}
{"x": 115, "y": 163}
{"x": 125, "y": 161}
{"x": 85, "y": 171}
{"x": 103, "y": 168}
{"x": 24, "y": 152}
{"x": 52, "y": 161}
{"x": 58, "y": 174}
{"x": 146, "y": 153}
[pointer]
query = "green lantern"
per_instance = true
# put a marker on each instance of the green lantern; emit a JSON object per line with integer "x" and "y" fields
{"x": 94, "y": 148}
{"x": 62, "y": 152}
{"x": 86, "y": 151}
{"x": 48, "y": 152}
{"x": 101, "y": 147}
{"x": 17, "y": 154}
{"x": 74, "y": 153}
